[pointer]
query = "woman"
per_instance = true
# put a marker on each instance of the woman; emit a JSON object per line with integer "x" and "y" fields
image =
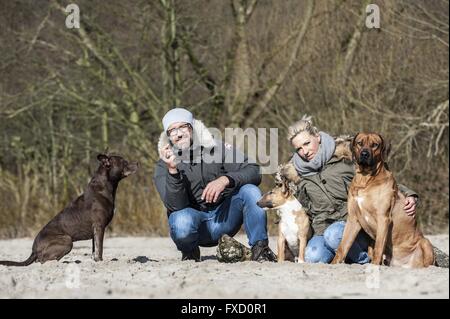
{"x": 326, "y": 170}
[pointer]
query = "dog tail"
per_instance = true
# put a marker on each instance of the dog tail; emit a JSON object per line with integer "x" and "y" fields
{"x": 27, "y": 262}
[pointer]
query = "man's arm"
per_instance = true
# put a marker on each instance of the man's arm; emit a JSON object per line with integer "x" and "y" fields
{"x": 171, "y": 188}
{"x": 238, "y": 172}
{"x": 239, "y": 169}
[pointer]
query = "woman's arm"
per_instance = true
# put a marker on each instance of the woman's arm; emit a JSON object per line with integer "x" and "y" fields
{"x": 411, "y": 201}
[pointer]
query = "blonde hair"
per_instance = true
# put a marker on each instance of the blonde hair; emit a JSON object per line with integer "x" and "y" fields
{"x": 305, "y": 124}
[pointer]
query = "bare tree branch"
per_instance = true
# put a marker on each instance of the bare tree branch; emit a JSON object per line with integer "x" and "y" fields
{"x": 273, "y": 89}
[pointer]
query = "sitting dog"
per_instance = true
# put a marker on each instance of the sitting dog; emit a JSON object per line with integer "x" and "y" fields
{"x": 294, "y": 229}
{"x": 376, "y": 206}
{"x": 84, "y": 218}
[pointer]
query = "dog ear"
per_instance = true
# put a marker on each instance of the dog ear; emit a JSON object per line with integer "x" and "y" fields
{"x": 352, "y": 147}
{"x": 285, "y": 187}
{"x": 385, "y": 149}
{"x": 289, "y": 172}
{"x": 104, "y": 159}
{"x": 279, "y": 176}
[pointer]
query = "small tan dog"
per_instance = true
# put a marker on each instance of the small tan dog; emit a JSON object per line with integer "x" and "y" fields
{"x": 294, "y": 229}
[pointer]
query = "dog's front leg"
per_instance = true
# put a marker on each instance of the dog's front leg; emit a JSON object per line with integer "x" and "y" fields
{"x": 351, "y": 230}
{"x": 383, "y": 225}
{"x": 303, "y": 240}
{"x": 281, "y": 246}
{"x": 99, "y": 233}
{"x": 304, "y": 234}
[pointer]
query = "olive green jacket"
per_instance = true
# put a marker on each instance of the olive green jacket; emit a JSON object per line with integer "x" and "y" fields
{"x": 324, "y": 195}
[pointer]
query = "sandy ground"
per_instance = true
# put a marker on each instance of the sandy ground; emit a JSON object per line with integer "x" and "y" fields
{"x": 146, "y": 267}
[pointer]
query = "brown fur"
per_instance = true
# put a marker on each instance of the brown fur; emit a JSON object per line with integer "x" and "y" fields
{"x": 343, "y": 147}
{"x": 276, "y": 198}
{"x": 376, "y": 206}
{"x": 84, "y": 218}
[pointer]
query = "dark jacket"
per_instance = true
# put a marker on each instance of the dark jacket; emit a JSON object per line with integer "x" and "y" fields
{"x": 324, "y": 195}
{"x": 185, "y": 188}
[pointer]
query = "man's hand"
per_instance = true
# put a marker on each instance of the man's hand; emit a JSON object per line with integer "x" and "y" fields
{"x": 169, "y": 158}
{"x": 213, "y": 189}
{"x": 410, "y": 205}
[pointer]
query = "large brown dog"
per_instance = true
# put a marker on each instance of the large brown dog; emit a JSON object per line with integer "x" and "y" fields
{"x": 376, "y": 206}
{"x": 84, "y": 218}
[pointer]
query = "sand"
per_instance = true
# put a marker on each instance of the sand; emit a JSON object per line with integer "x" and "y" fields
{"x": 150, "y": 267}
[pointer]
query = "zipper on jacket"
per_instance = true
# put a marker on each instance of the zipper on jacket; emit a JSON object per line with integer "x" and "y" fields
{"x": 201, "y": 166}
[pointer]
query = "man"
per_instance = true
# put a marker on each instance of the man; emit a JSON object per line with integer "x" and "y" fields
{"x": 207, "y": 198}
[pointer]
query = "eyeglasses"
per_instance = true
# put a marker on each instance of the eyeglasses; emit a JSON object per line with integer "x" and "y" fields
{"x": 183, "y": 128}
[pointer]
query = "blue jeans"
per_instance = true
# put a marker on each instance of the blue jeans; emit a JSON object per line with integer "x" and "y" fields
{"x": 322, "y": 249}
{"x": 190, "y": 228}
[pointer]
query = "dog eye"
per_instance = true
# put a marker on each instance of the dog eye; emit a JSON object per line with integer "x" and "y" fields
{"x": 375, "y": 144}
{"x": 360, "y": 143}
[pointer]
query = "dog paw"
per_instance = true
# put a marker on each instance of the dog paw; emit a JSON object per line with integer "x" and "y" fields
{"x": 335, "y": 261}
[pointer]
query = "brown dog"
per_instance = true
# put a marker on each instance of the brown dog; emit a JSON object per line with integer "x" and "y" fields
{"x": 84, "y": 218}
{"x": 294, "y": 229}
{"x": 376, "y": 206}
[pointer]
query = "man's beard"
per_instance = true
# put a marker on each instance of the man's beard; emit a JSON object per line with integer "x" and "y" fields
{"x": 188, "y": 152}
{"x": 180, "y": 149}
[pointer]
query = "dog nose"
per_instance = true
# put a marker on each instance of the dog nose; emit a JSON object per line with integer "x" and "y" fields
{"x": 365, "y": 153}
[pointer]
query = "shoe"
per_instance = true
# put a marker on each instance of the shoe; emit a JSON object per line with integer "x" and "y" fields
{"x": 262, "y": 252}
{"x": 192, "y": 255}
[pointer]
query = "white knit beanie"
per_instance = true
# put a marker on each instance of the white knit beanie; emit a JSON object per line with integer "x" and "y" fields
{"x": 177, "y": 115}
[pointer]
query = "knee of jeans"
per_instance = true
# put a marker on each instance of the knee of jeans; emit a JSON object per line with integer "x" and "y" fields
{"x": 316, "y": 254}
{"x": 333, "y": 234}
{"x": 181, "y": 224}
{"x": 250, "y": 191}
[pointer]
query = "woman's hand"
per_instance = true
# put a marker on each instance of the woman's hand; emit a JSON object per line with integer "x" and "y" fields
{"x": 410, "y": 205}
